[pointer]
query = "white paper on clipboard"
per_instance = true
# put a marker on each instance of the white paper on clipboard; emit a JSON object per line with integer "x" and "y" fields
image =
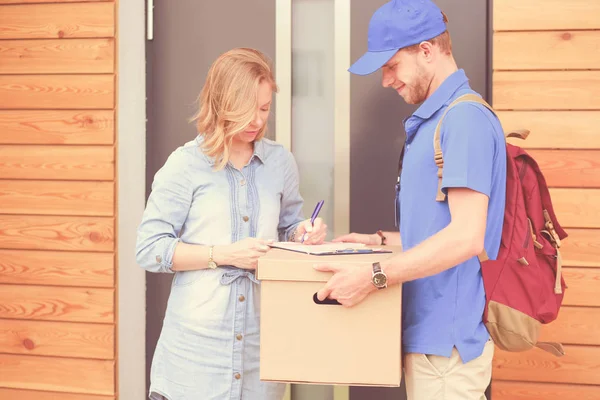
{"x": 326, "y": 248}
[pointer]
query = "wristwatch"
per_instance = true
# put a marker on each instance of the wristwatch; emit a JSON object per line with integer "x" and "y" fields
{"x": 379, "y": 277}
{"x": 211, "y": 263}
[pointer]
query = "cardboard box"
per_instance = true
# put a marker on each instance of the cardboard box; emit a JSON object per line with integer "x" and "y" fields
{"x": 305, "y": 342}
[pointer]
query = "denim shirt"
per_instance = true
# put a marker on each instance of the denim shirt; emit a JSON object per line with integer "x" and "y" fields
{"x": 209, "y": 344}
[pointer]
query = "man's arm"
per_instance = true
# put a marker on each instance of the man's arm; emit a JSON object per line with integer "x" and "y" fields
{"x": 461, "y": 240}
{"x": 392, "y": 239}
{"x": 468, "y": 144}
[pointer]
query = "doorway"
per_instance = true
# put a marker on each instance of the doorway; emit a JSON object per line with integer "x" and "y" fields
{"x": 188, "y": 35}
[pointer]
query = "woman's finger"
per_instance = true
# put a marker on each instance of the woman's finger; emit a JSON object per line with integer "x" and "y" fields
{"x": 318, "y": 225}
{"x": 316, "y": 238}
{"x": 320, "y": 238}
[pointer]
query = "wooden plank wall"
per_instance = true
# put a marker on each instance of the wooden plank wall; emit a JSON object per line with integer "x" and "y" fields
{"x": 57, "y": 200}
{"x": 546, "y": 62}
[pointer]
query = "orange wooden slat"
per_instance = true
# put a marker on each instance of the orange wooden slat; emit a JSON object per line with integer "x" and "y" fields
{"x": 62, "y": 339}
{"x": 57, "y": 233}
{"x": 554, "y": 129}
{"x": 57, "y": 162}
{"x": 57, "y": 198}
{"x": 574, "y": 325}
{"x": 546, "y": 50}
{"x": 578, "y": 365}
{"x": 506, "y": 390}
{"x": 569, "y": 168}
{"x": 581, "y": 248}
{"x": 546, "y": 90}
{"x": 49, "y": 1}
{"x": 44, "y": 21}
{"x": 57, "y": 91}
{"x": 49, "y": 303}
{"x": 52, "y": 56}
{"x": 23, "y": 394}
{"x": 584, "y": 287}
{"x": 577, "y": 208}
{"x": 57, "y": 127}
{"x": 529, "y": 15}
{"x": 57, "y": 374}
{"x": 57, "y": 268}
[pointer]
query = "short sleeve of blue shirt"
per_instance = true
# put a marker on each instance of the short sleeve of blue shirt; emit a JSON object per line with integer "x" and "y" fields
{"x": 468, "y": 148}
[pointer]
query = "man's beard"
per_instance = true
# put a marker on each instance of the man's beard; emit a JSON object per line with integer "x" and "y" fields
{"x": 416, "y": 93}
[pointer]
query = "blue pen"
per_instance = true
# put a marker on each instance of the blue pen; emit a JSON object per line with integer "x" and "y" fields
{"x": 315, "y": 214}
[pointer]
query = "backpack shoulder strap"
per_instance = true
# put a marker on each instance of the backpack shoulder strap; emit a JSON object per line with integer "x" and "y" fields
{"x": 437, "y": 144}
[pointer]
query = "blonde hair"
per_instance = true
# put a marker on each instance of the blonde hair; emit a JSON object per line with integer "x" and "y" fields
{"x": 229, "y": 100}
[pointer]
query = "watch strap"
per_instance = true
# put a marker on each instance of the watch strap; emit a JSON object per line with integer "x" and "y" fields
{"x": 383, "y": 238}
{"x": 376, "y": 268}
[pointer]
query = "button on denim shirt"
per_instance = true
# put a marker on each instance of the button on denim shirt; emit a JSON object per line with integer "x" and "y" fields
{"x": 209, "y": 343}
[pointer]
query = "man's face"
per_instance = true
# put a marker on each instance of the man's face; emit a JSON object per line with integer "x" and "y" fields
{"x": 408, "y": 74}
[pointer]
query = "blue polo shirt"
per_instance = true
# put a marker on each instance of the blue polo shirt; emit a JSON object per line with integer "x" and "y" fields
{"x": 445, "y": 310}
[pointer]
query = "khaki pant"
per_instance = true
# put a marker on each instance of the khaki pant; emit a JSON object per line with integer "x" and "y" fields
{"x": 442, "y": 378}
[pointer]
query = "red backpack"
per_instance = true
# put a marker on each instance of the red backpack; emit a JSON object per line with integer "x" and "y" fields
{"x": 524, "y": 286}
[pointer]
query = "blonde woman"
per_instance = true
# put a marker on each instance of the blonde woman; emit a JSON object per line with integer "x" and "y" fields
{"x": 214, "y": 206}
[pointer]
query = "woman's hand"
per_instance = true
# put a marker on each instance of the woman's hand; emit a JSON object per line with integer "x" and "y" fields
{"x": 312, "y": 234}
{"x": 243, "y": 254}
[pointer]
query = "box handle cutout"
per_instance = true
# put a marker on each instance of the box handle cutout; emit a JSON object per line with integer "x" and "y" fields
{"x": 327, "y": 301}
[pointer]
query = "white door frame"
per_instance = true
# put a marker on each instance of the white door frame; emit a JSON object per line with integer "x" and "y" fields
{"x": 131, "y": 200}
{"x": 283, "y": 117}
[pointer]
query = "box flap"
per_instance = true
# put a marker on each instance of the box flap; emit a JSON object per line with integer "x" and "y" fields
{"x": 283, "y": 265}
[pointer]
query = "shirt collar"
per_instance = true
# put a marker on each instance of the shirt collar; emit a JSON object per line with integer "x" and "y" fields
{"x": 259, "y": 151}
{"x": 436, "y": 101}
{"x": 442, "y": 95}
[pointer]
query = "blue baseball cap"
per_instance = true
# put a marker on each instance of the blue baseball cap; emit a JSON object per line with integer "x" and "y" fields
{"x": 396, "y": 25}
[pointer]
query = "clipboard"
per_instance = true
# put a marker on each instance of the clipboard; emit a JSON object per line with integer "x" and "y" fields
{"x": 328, "y": 249}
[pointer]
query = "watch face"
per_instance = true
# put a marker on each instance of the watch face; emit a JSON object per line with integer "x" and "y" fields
{"x": 212, "y": 264}
{"x": 379, "y": 279}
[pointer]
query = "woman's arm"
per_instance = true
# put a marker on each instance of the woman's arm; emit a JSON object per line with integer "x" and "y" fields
{"x": 159, "y": 248}
{"x": 166, "y": 211}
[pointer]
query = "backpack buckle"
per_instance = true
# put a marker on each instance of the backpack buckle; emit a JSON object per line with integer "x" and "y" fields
{"x": 550, "y": 230}
{"x": 537, "y": 244}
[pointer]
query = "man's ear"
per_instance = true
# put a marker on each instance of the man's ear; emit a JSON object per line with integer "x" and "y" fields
{"x": 426, "y": 49}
